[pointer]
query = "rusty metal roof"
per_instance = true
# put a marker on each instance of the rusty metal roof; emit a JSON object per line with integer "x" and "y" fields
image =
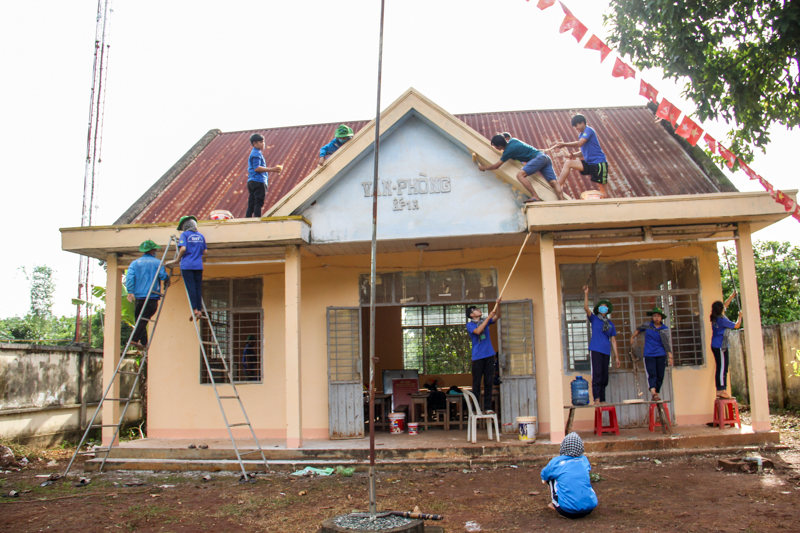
{"x": 644, "y": 160}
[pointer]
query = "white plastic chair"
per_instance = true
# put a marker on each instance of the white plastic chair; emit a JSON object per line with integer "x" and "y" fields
{"x": 476, "y": 413}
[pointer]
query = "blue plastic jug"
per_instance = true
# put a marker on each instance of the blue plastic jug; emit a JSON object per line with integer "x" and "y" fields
{"x": 580, "y": 391}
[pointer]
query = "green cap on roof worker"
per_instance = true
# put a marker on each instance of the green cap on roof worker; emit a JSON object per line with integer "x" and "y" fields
{"x": 343, "y": 134}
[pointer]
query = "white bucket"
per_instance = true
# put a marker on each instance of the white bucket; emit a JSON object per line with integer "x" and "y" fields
{"x": 413, "y": 428}
{"x": 527, "y": 428}
{"x": 397, "y": 422}
{"x": 591, "y": 194}
{"x": 221, "y": 214}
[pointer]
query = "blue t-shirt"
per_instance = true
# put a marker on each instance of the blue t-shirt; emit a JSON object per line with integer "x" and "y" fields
{"x": 718, "y": 328}
{"x": 653, "y": 346}
{"x": 140, "y": 275}
{"x": 592, "y": 153}
{"x": 330, "y": 148}
{"x": 195, "y": 245}
{"x": 601, "y": 340}
{"x": 573, "y": 486}
{"x": 256, "y": 160}
{"x": 519, "y": 151}
{"x": 481, "y": 344}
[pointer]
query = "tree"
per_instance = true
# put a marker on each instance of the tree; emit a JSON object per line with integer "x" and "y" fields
{"x": 778, "y": 278}
{"x": 739, "y": 58}
{"x": 39, "y": 323}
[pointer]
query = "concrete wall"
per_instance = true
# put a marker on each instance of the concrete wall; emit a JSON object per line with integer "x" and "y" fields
{"x": 781, "y": 343}
{"x": 48, "y": 392}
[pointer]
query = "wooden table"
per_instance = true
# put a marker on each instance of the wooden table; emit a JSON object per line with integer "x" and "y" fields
{"x": 458, "y": 401}
{"x": 419, "y": 399}
{"x": 383, "y": 406}
{"x": 663, "y": 418}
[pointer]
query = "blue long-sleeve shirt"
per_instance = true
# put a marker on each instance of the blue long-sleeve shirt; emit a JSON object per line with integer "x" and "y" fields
{"x": 330, "y": 148}
{"x": 140, "y": 275}
{"x": 574, "y": 488}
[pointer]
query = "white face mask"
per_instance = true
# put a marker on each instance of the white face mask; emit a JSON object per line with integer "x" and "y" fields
{"x": 477, "y": 319}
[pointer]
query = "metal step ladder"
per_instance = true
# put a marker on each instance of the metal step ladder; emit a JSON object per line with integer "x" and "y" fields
{"x": 226, "y": 370}
{"x": 126, "y": 399}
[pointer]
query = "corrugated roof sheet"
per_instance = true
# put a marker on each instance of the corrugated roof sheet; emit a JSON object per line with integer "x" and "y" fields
{"x": 644, "y": 159}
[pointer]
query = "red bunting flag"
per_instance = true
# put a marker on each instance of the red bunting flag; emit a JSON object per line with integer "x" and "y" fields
{"x": 747, "y": 170}
{"x": 767, "y": 186}
{"x": 689, "y": 131}
{"x": 572, "y": 23}
{"x": 668, "y": 112}
{"x": 544, "y": 4}
{"x": 727, "y": 155}
{"x": 789, "y": 204}
{"x": 594, "y": 43}
{"x": 647, "y": 90}
{"x": 621, "y": 70}
{"x": 711, "y": 142}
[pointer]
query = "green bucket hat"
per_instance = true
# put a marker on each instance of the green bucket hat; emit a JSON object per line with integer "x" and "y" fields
{"x": 343, "y": 131}
{"x": 601, "y": 302}
{"x": 180, "y": 222}
{"x": 657, "y": 310}
{"x": 148, "y": 245}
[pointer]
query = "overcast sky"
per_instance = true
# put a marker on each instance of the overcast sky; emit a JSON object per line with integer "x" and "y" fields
{"x": 178, "y": 69}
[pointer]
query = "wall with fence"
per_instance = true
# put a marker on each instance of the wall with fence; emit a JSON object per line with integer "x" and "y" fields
{"x": 49, "y": 393}
{"x": 781, "y": 343}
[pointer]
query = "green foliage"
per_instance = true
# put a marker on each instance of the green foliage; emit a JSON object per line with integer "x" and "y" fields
{"x": 39, "y": 323}
{"x": 796, "y": 364}
{"x": 739, "y": 58}
{"x": 778, "y": 276}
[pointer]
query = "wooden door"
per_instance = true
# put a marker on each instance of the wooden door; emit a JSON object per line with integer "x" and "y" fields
{"x": 517, "y": 364}
{"x": 345, "y": 388}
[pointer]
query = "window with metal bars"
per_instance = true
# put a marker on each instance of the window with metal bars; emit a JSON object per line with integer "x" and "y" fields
{"x": 633, "y": 288}
{"x": 235, "y": 309}
{"x": 435, "y": 339}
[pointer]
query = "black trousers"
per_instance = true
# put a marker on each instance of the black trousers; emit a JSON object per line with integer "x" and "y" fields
{"x": 600, "y": 362}
{"x": 150, "y": 307}
{"x": 193, "y": 279}
{"x": 721, "y": 376}
{"x": 655, "y": 366}
{"x": 483, "y": 369}
{"x": 258, "y": 192}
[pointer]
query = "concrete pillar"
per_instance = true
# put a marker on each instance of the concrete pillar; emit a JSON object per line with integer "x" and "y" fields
{"x": 294, "y": 412}
{"x": 753, "y": 343}
{"x": 554, "y": 369}
{"x": 111, "y": 349}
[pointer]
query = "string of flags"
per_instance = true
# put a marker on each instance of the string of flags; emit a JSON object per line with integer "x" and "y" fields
{"x": 688, "y": 128}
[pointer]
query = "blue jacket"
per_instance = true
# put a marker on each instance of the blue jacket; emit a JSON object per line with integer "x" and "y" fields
{"x": 573, "y": 486}
{"x": 330, "y": 148}
{"x": 140, "y": 275}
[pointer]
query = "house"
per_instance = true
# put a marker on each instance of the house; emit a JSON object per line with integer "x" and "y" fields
{"x": 296, "y": 282}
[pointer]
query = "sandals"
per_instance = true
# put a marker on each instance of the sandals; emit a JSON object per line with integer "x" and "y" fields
{"x": 656, "y": 397}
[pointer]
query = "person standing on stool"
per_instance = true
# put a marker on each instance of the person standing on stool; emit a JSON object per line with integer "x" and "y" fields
{"x": 191, "y": 254}
{"x": 657, "y": 350}
{"x": 602, "y": 342}
{"x": 720, "y": 326}
{"x": 482, "y": 353}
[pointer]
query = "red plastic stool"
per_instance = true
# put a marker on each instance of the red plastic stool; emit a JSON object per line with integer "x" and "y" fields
{"x": 654, "y": 420}
{"x": 612, "y": 427}
{"x": 726, "y": 413}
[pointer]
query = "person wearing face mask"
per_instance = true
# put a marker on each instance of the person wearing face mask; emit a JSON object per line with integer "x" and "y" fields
{"x": 601, "y": 344}
{"x": 482, "y": 353}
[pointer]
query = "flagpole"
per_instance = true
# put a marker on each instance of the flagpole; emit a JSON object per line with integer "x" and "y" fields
{"x": 372, "y": 276}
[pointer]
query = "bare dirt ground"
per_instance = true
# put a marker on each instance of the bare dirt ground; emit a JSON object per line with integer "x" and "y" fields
{"x": 681, "y": 494}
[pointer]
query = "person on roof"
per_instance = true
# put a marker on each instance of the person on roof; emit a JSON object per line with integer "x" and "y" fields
{"x": 191, "y": 254}
{"x": 257, "y": 176}
{"x": 534, "y": 160}
{"x": 143, "y": 273}
{"x": 594, "y": 161}
{"x": 343, "y": 134}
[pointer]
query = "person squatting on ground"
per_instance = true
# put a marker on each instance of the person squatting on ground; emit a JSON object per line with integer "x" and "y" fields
{"x": 138, "y": 279}
{"x": 567, "y": 475}
{"x": 720, "y": 326}
{"x": 602, "y": 342}
{"x": 657, "y": 349}
{"x": 191, "y": 255}
{"x": 343, "y": 134}
{"x": 482, "y": 353}
{"x": 534, "y": 160}
{"x": 257, "y": 176}
{"x": 594, "y": 161}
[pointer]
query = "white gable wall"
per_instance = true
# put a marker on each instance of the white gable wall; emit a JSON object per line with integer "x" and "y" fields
{"x": 434, "y": 190}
